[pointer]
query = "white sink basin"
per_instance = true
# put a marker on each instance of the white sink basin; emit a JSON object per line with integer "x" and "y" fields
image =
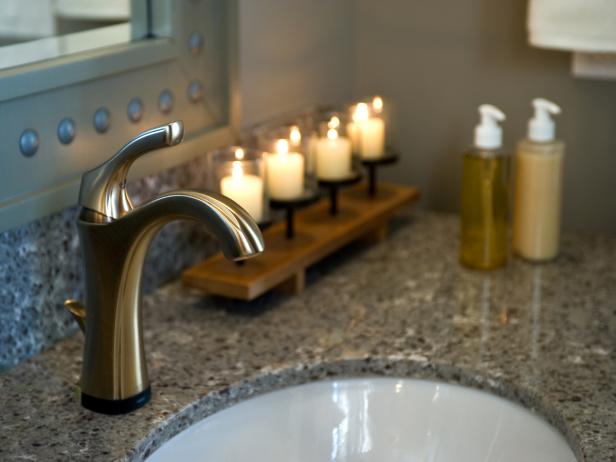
{"x": 380, "y": 419}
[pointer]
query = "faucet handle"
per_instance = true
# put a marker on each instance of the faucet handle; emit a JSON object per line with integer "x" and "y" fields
{"x": 103, "y": 189}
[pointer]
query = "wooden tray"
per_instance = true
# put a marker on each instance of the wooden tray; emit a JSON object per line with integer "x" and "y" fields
{"x": 283, "y": 264}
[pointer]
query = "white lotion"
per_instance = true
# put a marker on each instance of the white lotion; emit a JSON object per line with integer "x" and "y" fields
{"x": 538, "y": 187}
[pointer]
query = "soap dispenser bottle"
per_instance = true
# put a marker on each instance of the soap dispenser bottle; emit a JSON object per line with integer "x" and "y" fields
{"x": 484, "y": 209}
{"x": 538, "y": 185}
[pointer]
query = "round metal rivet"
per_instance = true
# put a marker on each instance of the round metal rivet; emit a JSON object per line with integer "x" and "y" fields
{"x": 29, "y": 142}
{"x": 102, "y": 120}
{"x": 135, "y": 110}
{"x": 165, "y": 101}
{"x": 66, "y": 130}
{"x": 195, "y": 43}
{"x": 195, "y": 91}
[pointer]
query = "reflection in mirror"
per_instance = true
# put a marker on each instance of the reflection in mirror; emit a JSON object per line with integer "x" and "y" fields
{"x": 35, "y": 30}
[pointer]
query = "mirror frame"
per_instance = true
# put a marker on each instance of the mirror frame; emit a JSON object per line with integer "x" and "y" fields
{"x": 76, "y": 85}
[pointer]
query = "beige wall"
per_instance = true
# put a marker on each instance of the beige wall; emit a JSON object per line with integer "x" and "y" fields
{"x": 293, "y": 53}
{"x": 437, "y": 60}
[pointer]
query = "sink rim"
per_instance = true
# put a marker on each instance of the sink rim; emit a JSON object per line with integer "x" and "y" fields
{"x": 273, "y": 379}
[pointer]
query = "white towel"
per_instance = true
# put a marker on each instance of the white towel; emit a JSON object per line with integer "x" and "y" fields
{"x": 579, "y": 25}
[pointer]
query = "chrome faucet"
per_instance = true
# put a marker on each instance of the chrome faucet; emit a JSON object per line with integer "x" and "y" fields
{"x": 115, "y": 237}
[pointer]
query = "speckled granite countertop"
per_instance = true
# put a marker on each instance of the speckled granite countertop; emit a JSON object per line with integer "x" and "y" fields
{"x": 544, "y": 336}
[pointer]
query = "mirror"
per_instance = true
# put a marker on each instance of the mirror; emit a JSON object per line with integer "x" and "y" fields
{"x": 202, "y": 78}
{"x": 36, "y": 30}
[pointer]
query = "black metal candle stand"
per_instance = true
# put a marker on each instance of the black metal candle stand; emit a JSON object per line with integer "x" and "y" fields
{"x": 290, "y": 206}
{"x": 372, "y": 166}
{"x": 334, "y": 186}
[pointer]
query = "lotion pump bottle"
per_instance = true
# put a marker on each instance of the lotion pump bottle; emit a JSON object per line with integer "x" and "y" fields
{"x": 538, "y": 186}
{"x": 484, "y": 205}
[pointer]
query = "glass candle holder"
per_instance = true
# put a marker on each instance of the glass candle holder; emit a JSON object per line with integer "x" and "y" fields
{"x": 333, "y": 151}
{"x": 289, "y": 172}
{"x": 240, "y": 174}
{"x": 366, "y": 128}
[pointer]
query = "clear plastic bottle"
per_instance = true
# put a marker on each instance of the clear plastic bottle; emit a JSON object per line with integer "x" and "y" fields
{"x": 539, "y": 171}
{"x": 484, "y": 207}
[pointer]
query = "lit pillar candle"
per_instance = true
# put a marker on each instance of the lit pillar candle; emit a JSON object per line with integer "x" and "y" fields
{"x": 285, "y": 173}
{"x": 246, "y": 190}
{"x": 334, "y": 156}
{"x": 368, "y": 133}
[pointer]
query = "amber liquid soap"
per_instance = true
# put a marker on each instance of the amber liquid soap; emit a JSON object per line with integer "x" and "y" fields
{"x": 484, "y": 209}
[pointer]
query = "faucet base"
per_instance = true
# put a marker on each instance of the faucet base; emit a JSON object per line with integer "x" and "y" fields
{"x": 116, "y": 406}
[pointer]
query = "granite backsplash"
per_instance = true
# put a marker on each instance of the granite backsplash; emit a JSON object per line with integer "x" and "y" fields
{"x": 41, "y": 266}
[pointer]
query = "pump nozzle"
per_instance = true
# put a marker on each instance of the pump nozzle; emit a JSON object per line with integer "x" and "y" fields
{"x": 541, "y": 126}
{"x": 488, "y": 134}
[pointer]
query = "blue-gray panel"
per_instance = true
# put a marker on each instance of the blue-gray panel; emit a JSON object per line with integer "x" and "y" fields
{"x": 47, "y": 181}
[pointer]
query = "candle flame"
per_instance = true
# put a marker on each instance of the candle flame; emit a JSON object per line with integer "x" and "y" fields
{"x": 332, "y": 134}
{"x": 237, "y": 171}
{"x": 239, "y": 153}
{"x": 361, "y": 113}
{"x": 295, "y": 135}
{"x": 377, "y": 104}
{"x": 282, "y": 147}
{"x": 334, "y": 122}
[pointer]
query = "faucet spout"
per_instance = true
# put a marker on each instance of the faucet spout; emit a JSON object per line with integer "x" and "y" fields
{"x": 232, "y": 226}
